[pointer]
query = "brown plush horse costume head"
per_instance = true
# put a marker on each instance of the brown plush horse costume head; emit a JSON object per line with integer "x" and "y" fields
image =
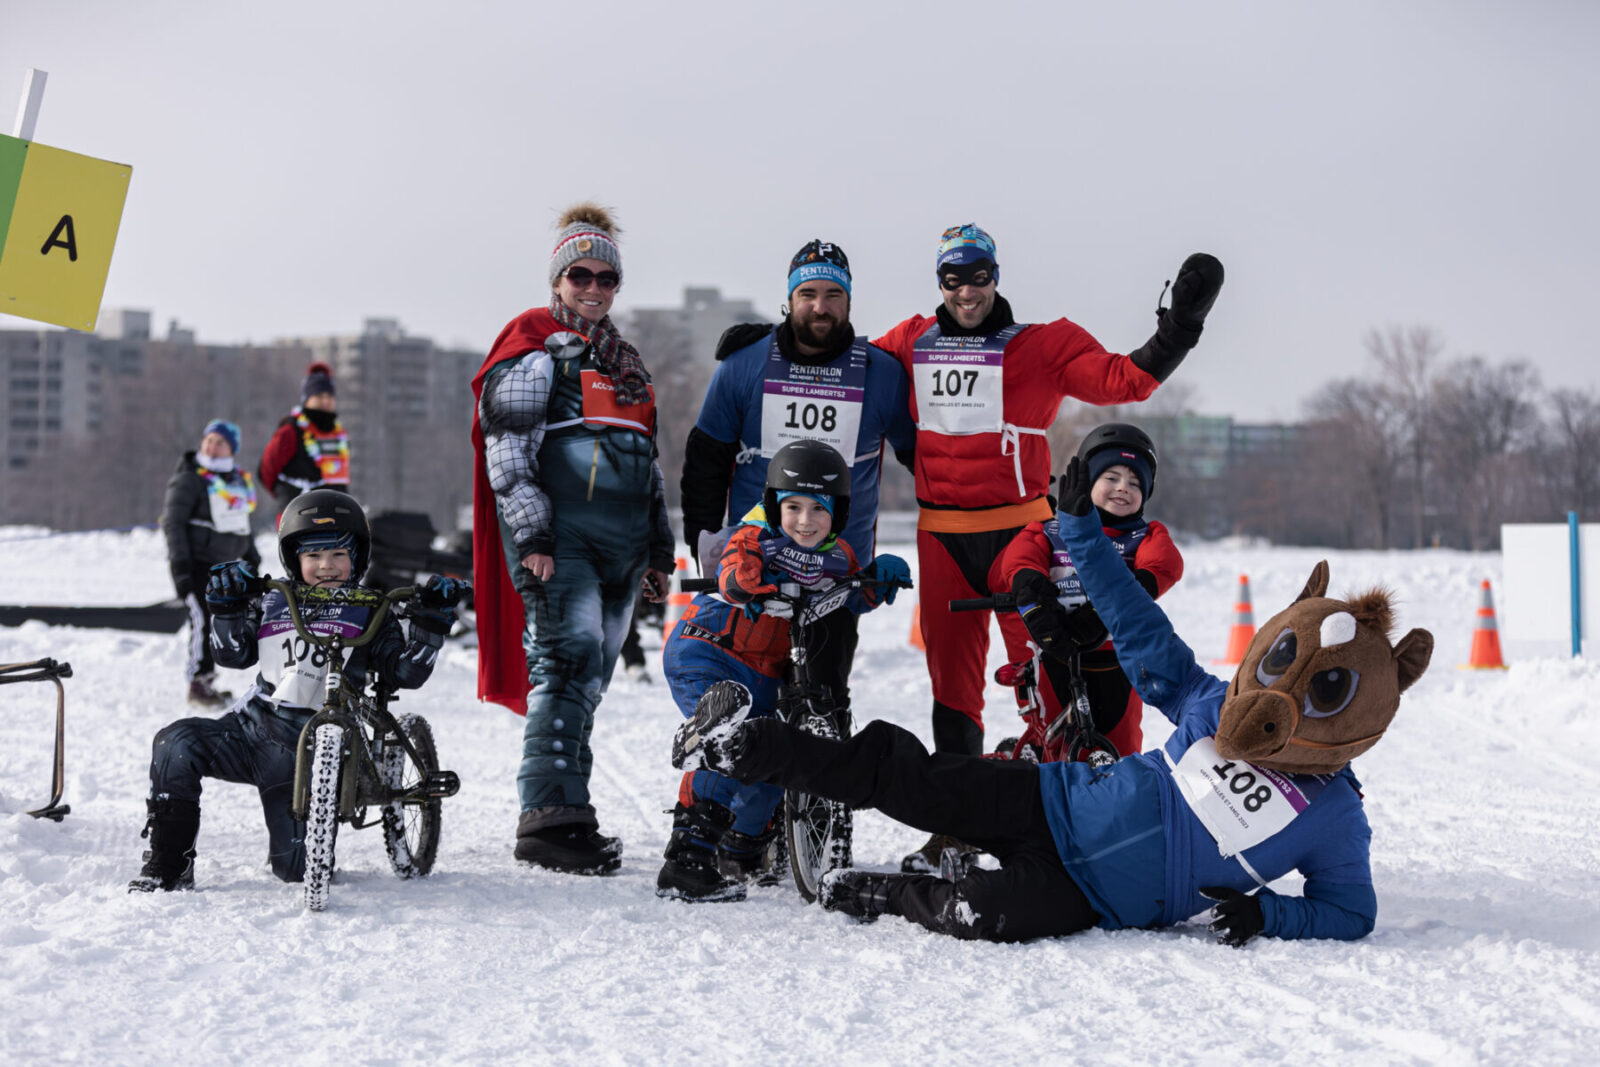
{"x": 1320, "y": 683}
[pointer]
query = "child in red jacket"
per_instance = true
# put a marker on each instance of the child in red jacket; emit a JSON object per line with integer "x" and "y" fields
{"x": 1122, "y": 467}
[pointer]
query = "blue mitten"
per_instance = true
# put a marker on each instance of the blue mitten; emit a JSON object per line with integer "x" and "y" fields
{"x": 894, "y": 571}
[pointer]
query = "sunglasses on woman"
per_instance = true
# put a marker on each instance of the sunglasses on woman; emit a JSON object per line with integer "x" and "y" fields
{"x": 580, "y": 277}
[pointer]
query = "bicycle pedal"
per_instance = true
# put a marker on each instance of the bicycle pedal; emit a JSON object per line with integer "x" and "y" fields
{"x": 439, "y": 784}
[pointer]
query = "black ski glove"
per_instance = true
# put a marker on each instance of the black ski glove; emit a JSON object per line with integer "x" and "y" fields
{"x": 1178, "y": 327}
{"x": 1238, "y": 916}
{"x": 1073, "y": 487}
{"x": 183, "y": 584}
{"x": 229, "y": 586}
{"x": 436, "y": 603}
{"x": 1057, "y": 631}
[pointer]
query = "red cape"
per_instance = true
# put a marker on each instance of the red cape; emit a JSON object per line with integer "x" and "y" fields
{"x": 502, "y": 663}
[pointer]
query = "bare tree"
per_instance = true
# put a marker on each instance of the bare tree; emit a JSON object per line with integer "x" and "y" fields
{"x": 1574, "y": 431}
{"x": 1363, "y": 437}
{"x": 1483, "y": 414}
{"x": 1405, "y": 357}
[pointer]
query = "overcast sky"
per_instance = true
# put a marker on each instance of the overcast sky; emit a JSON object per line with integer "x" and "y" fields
{"x": 301, "y": 166}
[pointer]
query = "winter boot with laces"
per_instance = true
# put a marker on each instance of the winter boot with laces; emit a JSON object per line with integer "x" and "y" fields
{"x": 171, "y": 826}
{"x": 722, "y": 709}
{"x": 690, "y": 872}
{"x": 864, "y": 895}
{"x": 203, "y": 692}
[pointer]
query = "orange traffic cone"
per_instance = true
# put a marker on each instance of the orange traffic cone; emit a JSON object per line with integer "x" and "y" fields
{"x": 1485, "y": 654}
{"x": 1243, "y": 629}
{"x": 916, "y": 627}
{"x": 677, "y": 600}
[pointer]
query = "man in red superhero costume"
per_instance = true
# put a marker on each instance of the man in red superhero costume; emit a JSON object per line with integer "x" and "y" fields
{"x": 984, "y": 392}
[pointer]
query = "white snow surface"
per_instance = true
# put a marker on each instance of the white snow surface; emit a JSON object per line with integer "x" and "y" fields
{"x": 1484, "y": 800}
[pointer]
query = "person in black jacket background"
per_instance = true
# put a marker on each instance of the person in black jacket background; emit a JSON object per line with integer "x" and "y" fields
{"x": 206, "y": 520}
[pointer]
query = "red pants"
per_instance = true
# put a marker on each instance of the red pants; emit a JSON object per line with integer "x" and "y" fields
{"x": 955, "y": 566}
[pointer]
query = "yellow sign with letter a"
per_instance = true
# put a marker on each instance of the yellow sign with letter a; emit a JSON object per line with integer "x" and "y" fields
{"x": 59, "y": 214}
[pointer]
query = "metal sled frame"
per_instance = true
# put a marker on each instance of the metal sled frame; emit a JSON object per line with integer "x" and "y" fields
{"x": 41, "y": 670}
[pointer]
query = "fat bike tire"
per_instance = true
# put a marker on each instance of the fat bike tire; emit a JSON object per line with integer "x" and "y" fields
{"x": 411, "y": 827}
{"x": 322, "y": 813}
{"x": 816, "y": 831}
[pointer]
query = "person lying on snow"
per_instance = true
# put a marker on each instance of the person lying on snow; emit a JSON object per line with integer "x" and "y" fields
{"x": 1254, "y": 782}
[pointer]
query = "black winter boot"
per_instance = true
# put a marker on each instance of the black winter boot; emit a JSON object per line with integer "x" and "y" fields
{"x": 569, "y": 847}
{"x": 171, "y": 826}
{"x": 690, "y": 872}
{"x": 204, "y": 693}
{"x": 863, "y": 895}
{"x": 745, "y": 858}
{"x": 719, "y": 712}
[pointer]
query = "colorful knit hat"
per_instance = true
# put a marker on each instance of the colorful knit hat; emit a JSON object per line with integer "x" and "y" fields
{"x": 226, "y": 430}
{"x": 586, "y": 232}
{"x": 819, "y": 260}
{"x": 318, "y": 380}
{"x": 964, "y": 245}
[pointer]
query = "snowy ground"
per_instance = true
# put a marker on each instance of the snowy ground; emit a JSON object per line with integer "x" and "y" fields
{"x": 1484, "y": 799}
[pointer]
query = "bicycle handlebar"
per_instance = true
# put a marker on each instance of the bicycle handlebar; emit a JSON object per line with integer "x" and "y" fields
{"x": 997, "y": 602}
{"x": 710, "y": 585}
{"x": 378, "y": 600}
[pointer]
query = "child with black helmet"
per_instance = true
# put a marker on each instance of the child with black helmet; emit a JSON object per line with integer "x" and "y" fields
{"x": 720, "y": 827}
{"x": 323, "y": 539}
{"x": 1121, "y": 463}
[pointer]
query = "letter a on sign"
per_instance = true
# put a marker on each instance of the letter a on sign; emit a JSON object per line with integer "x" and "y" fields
{"x": 59, "y": 214}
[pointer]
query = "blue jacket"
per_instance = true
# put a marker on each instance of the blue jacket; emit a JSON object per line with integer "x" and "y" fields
{"x": 732, "y": 411}
{"x": 1130, "y": 839}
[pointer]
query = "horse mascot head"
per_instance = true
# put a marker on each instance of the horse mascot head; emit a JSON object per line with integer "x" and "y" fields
{"x": 1320, "y": 682}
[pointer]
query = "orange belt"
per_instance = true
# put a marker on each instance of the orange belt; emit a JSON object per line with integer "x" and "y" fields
{"x": 962, "y": 520}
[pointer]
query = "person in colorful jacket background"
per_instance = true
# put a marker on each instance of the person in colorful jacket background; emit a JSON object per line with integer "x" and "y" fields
{"x": 206, "y": 520}
{"x": 310, "y": 449}
{"x": 984, "y": 391}
{"x": 568, "y": 516}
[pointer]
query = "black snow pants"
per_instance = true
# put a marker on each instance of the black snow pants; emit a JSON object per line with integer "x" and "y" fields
{"x": 254, "y": 745}
{"x": 993, "y": 804}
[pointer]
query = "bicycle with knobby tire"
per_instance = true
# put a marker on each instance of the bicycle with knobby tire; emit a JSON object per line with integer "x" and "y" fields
{"x": 817, "y": 832}
{"x": 1069, "y": 736}
{"x": 357, "y": 763}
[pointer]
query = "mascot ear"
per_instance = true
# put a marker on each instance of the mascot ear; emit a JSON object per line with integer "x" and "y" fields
{"x": 1412, "y": 655}
{"x": 1317, "y": 584}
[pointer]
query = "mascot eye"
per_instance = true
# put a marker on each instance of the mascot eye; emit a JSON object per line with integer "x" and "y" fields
{"x": 1331, "y": 692}
{"x": 1279, "y": 658}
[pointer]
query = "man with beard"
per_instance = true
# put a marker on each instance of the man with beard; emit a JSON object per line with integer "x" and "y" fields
{"x": 809, "y": 377}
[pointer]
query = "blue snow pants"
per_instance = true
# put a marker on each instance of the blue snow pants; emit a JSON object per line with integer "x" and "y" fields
{"x": 692, "y": 667}
{"x": 254, "y": 745}
{"x": 576, "y": 623}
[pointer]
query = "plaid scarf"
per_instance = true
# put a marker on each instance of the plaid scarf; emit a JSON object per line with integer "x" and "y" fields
{"x": 617, "y": 359}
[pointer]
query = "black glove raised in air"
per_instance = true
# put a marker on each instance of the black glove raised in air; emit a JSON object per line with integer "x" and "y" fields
{"x": 1178, "y": 327}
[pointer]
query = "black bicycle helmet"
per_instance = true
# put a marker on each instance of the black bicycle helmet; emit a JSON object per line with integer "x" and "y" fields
{"x": 323, "y": 511}
{"x": 1130, "y": 443}
{"x": 809, "y": 467}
